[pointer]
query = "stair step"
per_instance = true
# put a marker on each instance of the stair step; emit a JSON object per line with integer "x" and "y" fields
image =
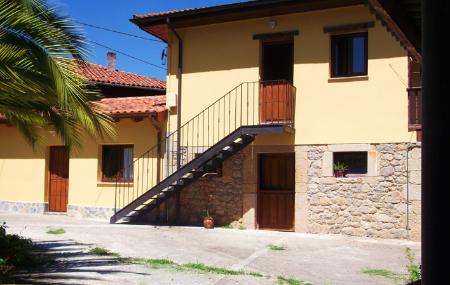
{"x": 207, "y": 161}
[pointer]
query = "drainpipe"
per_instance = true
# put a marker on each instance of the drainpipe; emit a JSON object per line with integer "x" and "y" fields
{"x": 158, "y": 147}
{"x": 179, "y": 75}
{"x": 154, "y": 122}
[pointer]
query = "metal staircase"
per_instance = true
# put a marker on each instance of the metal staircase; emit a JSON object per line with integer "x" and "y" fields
{"x": 201, "y": 144}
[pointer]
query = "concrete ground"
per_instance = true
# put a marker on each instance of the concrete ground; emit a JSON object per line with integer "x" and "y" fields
{"x": 318, "y": 259}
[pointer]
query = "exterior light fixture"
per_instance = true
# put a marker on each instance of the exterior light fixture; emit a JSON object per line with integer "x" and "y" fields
{"x": 272, "y": 24}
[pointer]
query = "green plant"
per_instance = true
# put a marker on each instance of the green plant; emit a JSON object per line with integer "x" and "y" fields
{"x": 102, "y": 251}
{"x": 196, "y": 267}
{"x": 290, "y": 281}
{"x": 41, "y": 88}
{"x": 17, "y": 252}
{"x": 277, "y": 247}
{"x": 414, "y": 271}
{"x": 56, "y": 231}
{"x": 340, "y": 166}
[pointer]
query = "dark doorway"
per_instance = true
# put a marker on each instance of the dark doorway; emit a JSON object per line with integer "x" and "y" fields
{"x": 277, "y": 60}
{"x": 276, "y": 194}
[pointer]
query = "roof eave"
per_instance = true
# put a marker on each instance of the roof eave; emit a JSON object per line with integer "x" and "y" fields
{"x": 126, "y": 86}
{"x": 236, "y": 12}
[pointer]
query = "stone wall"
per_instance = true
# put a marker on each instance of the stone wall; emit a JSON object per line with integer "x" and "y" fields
{"x": 23, "y": 207}
{"x": 372, "y": 206}
{"x": 88, "y": 212}
{"x": 72, "y": 210}
{"x": 222, "y": 196}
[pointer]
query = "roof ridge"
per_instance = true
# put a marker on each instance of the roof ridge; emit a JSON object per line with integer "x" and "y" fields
{"x": 119, "y": 70}
{"x": 134, "y": 97}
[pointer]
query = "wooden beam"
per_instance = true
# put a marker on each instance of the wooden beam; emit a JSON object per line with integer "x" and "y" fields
{"x": 349, "y": 27}
{"x": 268, "y": 36}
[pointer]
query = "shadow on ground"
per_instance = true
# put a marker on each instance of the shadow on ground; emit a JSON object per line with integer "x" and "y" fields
{"x": 70, "y": 263}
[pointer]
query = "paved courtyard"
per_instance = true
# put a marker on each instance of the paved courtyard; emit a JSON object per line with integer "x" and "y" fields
{"x": 318, "y": 259}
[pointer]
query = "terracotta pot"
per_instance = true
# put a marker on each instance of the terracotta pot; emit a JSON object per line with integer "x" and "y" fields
{"x": 208, "y": 222}
{"x": 339, "y": 173}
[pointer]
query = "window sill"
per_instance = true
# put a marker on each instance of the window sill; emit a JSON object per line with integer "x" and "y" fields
{"x": 348, "y": 78}
{"x": 113, "y": 184}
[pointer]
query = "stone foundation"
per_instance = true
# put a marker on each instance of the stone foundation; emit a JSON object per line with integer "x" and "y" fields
{"x": 222, "y": 196}
{"x": 42, "y": 208}
{"x": 385, "y": 204}
{"x": 23, "y": 207}
{"x": 89, "y": 212}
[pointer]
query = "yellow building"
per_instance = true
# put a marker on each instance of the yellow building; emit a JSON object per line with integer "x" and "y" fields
{"x": 284, "y": 115}
{"x": 82, "y": 182}
{"x": 273, "y": 101}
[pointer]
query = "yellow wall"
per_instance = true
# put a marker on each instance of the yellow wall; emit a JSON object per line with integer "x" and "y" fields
{"x": 219, "y": 57}
{"x": 23, "y": 172}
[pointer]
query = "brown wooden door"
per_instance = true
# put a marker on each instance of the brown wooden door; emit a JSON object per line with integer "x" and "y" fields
{"x": 59, "y": 179}
{"x": 276, "y": 191}
{"x": 276, "y": 73}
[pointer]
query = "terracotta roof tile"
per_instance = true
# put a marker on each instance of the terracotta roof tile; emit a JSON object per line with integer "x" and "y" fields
{"x": 98, "y": 73}
{"x": 123, "y": 106}
{"x": 162, "y": 13}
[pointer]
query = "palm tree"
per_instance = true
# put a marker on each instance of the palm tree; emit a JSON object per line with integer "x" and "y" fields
{"x": 40, "y": 88}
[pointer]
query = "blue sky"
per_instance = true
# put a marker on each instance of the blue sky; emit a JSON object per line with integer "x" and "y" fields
{"x": 115, "y": 14}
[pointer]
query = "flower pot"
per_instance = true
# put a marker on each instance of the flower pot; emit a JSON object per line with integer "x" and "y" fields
{"x": 208, "y": 222}
{"x": 339, "y": 173}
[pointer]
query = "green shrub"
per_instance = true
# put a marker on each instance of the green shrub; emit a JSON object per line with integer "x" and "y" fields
{"x": 414, "y": 271}
{"x": 17, "y": 251}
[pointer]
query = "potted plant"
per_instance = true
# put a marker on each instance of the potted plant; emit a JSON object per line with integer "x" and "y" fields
{"x": 208, "y": 221}
{"x": 340, "y": 169}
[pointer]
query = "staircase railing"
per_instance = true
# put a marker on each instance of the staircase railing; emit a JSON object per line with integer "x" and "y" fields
{"x": 248, "y": 104}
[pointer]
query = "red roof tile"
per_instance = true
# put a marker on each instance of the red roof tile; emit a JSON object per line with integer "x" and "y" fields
{"x": 98, "y": 73}
{"x": 124, "y": 106}
{"x": 162, "y": 13}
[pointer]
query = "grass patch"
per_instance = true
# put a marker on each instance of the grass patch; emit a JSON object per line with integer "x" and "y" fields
{"x": 102, "y": 251}
{"x": 200, "y": 267}
{"x": 197, "y": 267}
{"x": 380, "y": 272}
{"x": 414, "y": 271}
{"x": 396, "y": 277}
{"x": 277, "y": 247}
{"x": 159, "y": 263}
{"x": 290, "y": 281}
{"x": 56, "y": 231}
{"x": 229, "y": 226}
{"x": 241, "y": 227}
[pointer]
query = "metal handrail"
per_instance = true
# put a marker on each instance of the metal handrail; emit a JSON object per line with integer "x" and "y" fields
{"x": 248, "y": 104}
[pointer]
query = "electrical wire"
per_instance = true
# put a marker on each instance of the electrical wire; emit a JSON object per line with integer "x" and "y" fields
{"x": 118, "y": 32}
{"x": 127, "y": 55}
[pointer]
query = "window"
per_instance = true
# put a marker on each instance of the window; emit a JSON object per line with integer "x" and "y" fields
{"x": 349, "y": 55}
{"x": 117, "y": 163}
{"x": 356, "y": 161}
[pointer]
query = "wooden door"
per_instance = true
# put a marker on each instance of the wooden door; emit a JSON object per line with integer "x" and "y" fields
{"x": 58, "y": 179}
{"x": 276, "y": 194}
{"x": 276, "y": 74}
